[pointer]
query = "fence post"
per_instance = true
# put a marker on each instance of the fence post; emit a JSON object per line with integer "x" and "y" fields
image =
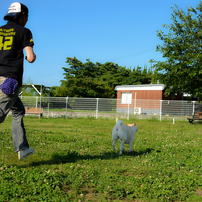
{"x": 36, "y": 102}
{"x": 128, "y": 111}
{"x": 97, "y": 108}
{"x": 160, "y": 108}
{"x": 66, "y": 107}
{"x": 193, "y": 107}
{"x": 48, "y": 105}
{"x": 40, "y": 96}
{"x": 135, "y": 101}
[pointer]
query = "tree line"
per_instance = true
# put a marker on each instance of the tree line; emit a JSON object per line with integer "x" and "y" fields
{"x": 90, "y": 79}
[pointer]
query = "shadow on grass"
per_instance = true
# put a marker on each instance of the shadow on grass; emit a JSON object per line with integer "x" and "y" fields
{"x": 197, "y": 122}
{"x": 72, "y": 157}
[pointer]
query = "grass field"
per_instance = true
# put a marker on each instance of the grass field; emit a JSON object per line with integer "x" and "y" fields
{"x": 74, "y": 161}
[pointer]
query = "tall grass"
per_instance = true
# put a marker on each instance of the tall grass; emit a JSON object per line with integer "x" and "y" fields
{"x": 74, "y": 161}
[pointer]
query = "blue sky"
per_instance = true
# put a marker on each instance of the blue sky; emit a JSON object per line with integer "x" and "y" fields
{"x": 119, "y": 31}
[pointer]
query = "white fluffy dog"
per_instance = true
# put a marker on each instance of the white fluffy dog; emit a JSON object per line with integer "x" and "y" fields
{"x": 126, "y": 133}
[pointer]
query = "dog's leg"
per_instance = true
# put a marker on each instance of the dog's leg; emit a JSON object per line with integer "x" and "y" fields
{"x": 114, "y": 142}
{"x": 122, "y": 147}
{"x": 130, "y": 146}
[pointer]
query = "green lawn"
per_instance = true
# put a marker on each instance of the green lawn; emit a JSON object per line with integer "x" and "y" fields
{"x": 74, "y": 161}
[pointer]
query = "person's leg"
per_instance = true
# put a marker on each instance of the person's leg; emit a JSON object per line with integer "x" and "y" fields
{"x": 13, "y": 103}
{"x": 18, "y": 131}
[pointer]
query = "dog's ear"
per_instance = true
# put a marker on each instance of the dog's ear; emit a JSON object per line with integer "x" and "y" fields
{"x": 134, "y": 124}
{"x": 117, "y": 120}
{"x": 127, "y": 124}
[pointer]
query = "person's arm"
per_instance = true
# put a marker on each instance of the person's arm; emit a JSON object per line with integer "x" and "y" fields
{"x": 31, "y": 57}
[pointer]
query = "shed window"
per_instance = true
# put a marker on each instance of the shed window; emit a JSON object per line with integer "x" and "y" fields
{"x": 126, "y": 98}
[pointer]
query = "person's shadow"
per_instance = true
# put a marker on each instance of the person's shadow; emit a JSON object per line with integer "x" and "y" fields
{"x": 72, "y": 157}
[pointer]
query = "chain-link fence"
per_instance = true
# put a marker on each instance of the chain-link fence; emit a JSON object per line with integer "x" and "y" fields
{"x": 112, "y": 108}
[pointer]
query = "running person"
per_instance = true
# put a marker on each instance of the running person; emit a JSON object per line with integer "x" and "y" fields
{"x": 14, "y": 37}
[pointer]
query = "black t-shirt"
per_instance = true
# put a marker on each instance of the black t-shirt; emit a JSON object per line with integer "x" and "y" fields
{"x": 13, "y": 39}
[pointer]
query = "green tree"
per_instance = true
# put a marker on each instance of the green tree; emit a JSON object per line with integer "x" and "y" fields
{"x": 139, "y": 76}
{"x": 89, "y": 79}
{"x": 97, "y": 80}
{"x": 182, "y": 49}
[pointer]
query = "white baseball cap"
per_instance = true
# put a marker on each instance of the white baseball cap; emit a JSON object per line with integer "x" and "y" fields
{"x": 14, "y": 9}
